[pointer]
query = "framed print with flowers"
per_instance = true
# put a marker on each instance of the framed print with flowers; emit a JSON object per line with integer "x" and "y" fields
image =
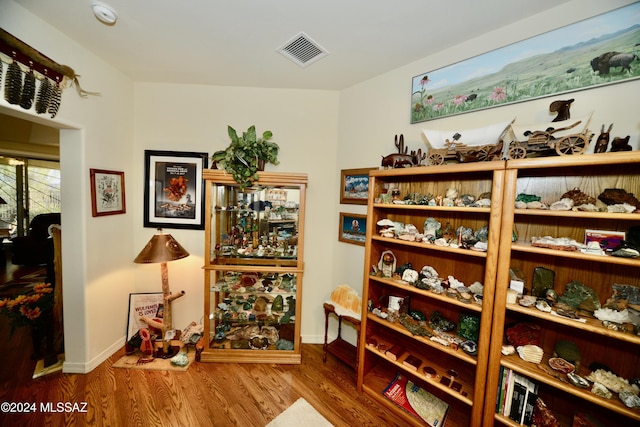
{"x": 594, "y": 52}
{"x": 107, "y": 192}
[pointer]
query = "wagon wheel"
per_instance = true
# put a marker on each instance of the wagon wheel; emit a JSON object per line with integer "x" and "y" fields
{"x": 573, "y": 144}
{"x": 517, "y": 152}
{"x": 483, "y": 154}
{"x": 436, "y": 159}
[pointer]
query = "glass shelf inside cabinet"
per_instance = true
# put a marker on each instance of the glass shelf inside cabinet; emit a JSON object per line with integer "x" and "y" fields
{"x": 254, "y": 226}
{"x": 253, "y": 310}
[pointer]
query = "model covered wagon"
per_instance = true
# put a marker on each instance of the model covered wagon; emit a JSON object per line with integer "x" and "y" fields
{"x": 466, "y": 145}
{"x": 565, "y": 137}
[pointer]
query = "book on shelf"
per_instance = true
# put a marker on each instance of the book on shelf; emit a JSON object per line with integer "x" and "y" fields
{"x": 412, "y": 362}
{"x": 417, "y": 401}
{"x": 516, "y": 397}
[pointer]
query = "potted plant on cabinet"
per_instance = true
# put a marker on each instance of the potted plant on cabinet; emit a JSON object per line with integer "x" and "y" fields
{"x": 246, "y": 155}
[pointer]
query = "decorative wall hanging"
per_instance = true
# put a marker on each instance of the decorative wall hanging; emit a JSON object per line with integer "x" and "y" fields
{"x": 595, "y": 52}
{"x": 174, "y": 190}
{"x": 354, "y": 186}
{"x": 353, "y": 228}
{"x": 107, "y": 192}
{"x": 32, "y": 79}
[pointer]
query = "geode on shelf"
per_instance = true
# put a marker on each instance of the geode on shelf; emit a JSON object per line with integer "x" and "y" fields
{"x": 578, "y": 197}
{"x": 618, "y": 196}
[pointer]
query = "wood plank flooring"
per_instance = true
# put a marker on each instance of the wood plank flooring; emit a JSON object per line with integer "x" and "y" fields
{"x": 207, "y": 394}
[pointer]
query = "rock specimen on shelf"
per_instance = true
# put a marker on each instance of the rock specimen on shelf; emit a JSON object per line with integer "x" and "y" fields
{"x": 579, "y": 296}
{"x": 618, "y": 196}
{"x": 530, "y": 353}
{"x": 578, "y": 197}
{"x": 568, "y": 350}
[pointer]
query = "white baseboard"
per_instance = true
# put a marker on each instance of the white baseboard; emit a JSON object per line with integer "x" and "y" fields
{"x": 83, "y": 368}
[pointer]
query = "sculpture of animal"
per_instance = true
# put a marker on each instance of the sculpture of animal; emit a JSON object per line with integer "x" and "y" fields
{"x": 603, "y": 140}
{"x": 603, "y": 63}
{"x": 401, "y": 158}
{"x": 620, "y": 144}
{"x": 562, "y": 109}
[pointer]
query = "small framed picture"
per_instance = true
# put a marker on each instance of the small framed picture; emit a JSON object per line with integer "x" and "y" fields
{"x": 353, "y": 228}
{"x": 354, "y": 186}
{"x": 107, "y": 192}
{"x": 147, "y": 304}
{"x": 174, "y": 189}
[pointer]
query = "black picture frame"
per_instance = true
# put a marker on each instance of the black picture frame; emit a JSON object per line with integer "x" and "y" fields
{"x": 174, "y": 189}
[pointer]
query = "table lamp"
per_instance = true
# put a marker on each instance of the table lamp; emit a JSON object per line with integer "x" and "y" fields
{"x": 161, "y": 249}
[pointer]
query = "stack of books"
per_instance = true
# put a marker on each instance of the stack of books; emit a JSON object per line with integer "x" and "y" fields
{"x": 517, "y": 396}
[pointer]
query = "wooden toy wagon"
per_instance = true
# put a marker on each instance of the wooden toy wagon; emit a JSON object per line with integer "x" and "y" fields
{"x": 454, "y": 150}
{"x": 546, "y": 141}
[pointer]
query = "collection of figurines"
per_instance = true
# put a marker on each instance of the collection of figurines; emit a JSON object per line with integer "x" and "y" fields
{"x": 256, "y": 311}
{"x": 620, "y": 312}
{"x": 248, "y": 239}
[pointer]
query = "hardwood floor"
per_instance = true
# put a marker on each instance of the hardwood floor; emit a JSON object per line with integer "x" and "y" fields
{"x": 207, "y": 394}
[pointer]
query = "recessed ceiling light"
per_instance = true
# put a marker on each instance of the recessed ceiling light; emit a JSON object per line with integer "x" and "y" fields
{"x": 105, "y": 13}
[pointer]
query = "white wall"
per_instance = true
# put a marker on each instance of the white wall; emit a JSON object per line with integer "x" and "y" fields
{"x": 97, "y": 133}
{"x": 195, "y": 118}
{"x": 374, "y": 111}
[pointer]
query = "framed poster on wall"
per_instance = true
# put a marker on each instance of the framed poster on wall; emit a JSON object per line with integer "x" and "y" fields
{"x": 174, "y": 189}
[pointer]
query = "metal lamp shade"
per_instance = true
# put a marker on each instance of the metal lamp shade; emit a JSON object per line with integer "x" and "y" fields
{"x": 161, "y": 248}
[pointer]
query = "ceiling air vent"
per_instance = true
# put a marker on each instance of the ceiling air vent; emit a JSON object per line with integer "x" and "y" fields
{"x": 302, "y": 50}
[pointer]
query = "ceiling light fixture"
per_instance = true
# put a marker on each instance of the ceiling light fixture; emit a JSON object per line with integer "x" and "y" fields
{"x": 105, "y": 13}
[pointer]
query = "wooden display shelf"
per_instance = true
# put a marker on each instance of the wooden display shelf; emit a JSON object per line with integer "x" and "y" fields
{"x": 457, "y": 353}
{"x": 399, "y": 284}
{"x": 430, "y": 246}
{"x": 378, "y": 378}
{"x": 464, "y": 394}
{"x": 544, "y": 374}
{"x": 591, "y": 325}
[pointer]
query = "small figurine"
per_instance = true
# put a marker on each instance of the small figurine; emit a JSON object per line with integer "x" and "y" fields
{"x": 562, "y": 109}
{"x": 401, "y": 158}
{"x": 620, "y": 144}
{"x": 603, "y": 140}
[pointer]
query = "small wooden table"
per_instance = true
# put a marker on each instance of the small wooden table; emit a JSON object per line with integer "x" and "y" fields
{"x": 344, "y": 351}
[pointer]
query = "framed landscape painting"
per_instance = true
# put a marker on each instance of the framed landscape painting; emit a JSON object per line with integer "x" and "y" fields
{"x": 354, "y": 186}
{"x": 598, "y": 51}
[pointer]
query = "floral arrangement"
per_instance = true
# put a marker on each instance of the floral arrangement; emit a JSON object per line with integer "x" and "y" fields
{"x": 28, "y": 308}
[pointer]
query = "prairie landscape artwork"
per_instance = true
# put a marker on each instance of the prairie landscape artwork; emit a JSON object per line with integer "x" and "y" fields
{"x": 598, "y": 51}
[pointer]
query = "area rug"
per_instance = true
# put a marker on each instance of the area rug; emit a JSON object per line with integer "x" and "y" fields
{"x": 300, "y": 414}
{"x": 158, "y": 364}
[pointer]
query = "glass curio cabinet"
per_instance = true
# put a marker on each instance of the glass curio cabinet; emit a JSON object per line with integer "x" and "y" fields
{"x": 253, "y": 268}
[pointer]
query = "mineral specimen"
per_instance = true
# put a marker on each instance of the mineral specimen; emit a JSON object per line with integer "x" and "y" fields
{"x": 567, "y": 350}
{"x": 578, "y": 197}
{"x": 530, "y": 353}
{"x": 559, "y": 364}
{"x": 600, "y": 390}
{"x": 577, "y": 380}
{"x": 439, "y": 323}
{"x": 613, "y": 196}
